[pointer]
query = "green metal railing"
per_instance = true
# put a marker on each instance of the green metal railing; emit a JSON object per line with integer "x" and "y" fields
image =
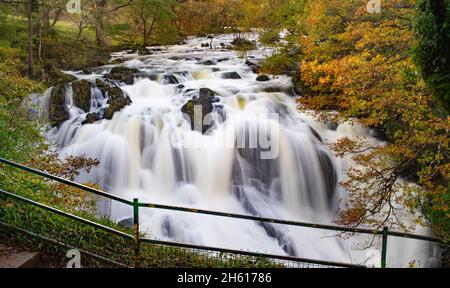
{"x": 137, "y": 239}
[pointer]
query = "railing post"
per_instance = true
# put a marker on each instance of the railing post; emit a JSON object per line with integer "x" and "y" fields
{"x": 137, "y": 244}
{"x": 384, "y": 247}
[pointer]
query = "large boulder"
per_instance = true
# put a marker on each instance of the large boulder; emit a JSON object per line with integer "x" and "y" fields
{"x": 243, "y": 44}
{"x": 253, "y": 65}
{"x": 170, "y": 79}
{"x": 262, "y": 78}
{"x": 91, "y": 118}
{"x": 117, "y": 101}
{"x": 55, "y": 76}
{"x": 231, "y": 75}
{"x": 58, "y": 112}
{"x": 82, "y": 94}
{"x": 205, "y": 102}
{"x": 123, "y": 74}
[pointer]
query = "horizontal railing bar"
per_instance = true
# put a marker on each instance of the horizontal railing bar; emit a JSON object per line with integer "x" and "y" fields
{"x": 253, "y": 254}
{"x": 416, "y": 237}
{"x": 65, "y": 214}
{"x": 262, "y": 219}
{"x": 65, "y": 181}
{"x": 221, "y": 214}
{"x": 54, "y": 242}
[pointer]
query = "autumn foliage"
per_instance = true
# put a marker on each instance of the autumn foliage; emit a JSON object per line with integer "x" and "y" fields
{"x": 361, "y": 64}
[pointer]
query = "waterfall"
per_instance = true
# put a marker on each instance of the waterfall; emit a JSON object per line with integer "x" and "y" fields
{"x": 261, "y": 157}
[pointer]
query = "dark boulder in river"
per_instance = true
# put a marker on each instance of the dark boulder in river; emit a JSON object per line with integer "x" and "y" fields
{"x": 82, "y": 94}
{"x": 231, "y": 75}
{"x": 263, "y": 78}
{"x": 205, "y": 103}
{"x": 117, "y": 101}
{"x": 58, "y": 112}
{"x": 123, "y": 74}
{"x": 91, "y": 118}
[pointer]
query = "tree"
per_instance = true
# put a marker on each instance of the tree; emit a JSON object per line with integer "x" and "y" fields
{"x": 432, "y": 53}
{"x": 148, "y": 13}
{"x": 360, "y": 65}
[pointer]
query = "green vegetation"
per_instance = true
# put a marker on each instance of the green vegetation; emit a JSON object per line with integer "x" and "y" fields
{"x": 389, "y": 71}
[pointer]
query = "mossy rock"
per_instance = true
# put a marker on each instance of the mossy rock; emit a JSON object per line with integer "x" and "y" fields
{"x": 58, "y": 112}
{"x": 55, "y": 76}
{"x": 91, "y": 118}
{"x": 205, "y": 101}
{"x": 82, "y": 94}
{"x": 123, "y": 74}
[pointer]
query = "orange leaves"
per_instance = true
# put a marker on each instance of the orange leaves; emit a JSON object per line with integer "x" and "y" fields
{"x": 360, "y": 65}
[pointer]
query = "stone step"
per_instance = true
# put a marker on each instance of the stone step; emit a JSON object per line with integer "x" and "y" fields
{"x": 15, "y": 258}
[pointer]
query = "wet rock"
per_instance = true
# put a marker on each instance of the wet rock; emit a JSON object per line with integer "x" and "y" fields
{"x": 123, "y": 74}
{"x": 332, "y": 125}
{"x": 208, "y": 63}
{"x": 55, "y": 77}
{"x": 329, "y": 175}
{"x": 116, "y": 103}
{"x": 170, "y": 79}
{"x": 253, "y": 65}
{"x": 117, "y": 99}
{"x": 215, "y": 69}
{"x": 82, "y": 94}
{"x": 231, "y": 75}
{"x": 91, "y": 118}
{"x": 262, "y": 78}
{"x": 206, "y": 94}
{"x": 243, "y": 44}
{"x": 297, "y": 84}
{"x": 58, "y": 112}
{"x": 144, "y": 52}
{"x": 205, "y": 104}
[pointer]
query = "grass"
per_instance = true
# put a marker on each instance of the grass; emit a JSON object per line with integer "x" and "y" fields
{"x": 89, "y": 238}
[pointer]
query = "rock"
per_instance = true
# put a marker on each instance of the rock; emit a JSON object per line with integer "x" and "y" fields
{"x": 55, "y": 77}
{"x": 254, "y": 66}
{"x": 263, "y": 78}
{"x": 332, "y": 125}
{"x": 206, "y": 94}
{"x": 297, "y": 84}
{"x": 82, "y": 94}
{"x": 123, "y": 74}
{"x": 231, "y": 75}
{"x": 144, "y": 52}
{"x": 91, "y": 118}
{"x": 243, "y": 44}
{"x": 170, "y": 79}
{"x": 117, "y": 101}
{"x": 205, "y": 101}
{"x": 208, "y": 62}
{"x": 58, "y": 112}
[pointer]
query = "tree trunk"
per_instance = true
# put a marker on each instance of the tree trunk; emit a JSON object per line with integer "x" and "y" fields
{"x": 30, "y": 38}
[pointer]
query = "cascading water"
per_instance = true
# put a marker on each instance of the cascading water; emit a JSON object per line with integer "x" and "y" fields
{"x": 148, "y": 150}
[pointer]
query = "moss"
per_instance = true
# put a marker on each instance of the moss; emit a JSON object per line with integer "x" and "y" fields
{"x": 82, "y": 94}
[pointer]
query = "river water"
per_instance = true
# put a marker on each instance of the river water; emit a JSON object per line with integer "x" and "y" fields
{"x": 262, "y": 156}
